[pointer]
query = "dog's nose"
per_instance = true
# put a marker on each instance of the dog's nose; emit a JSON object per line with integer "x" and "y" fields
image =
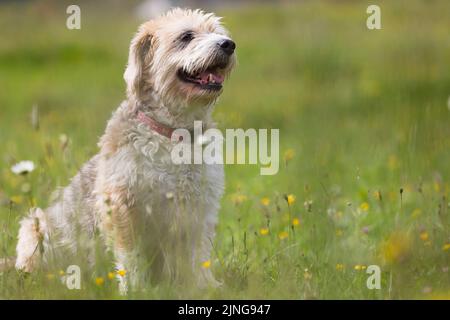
{"x": 227, "y": 46}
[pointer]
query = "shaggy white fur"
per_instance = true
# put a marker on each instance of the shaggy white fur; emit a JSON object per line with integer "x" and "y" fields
{"x": 157, "y": 218}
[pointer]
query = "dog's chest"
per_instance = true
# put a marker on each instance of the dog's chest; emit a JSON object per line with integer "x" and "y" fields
{"x": 169, "y": 190}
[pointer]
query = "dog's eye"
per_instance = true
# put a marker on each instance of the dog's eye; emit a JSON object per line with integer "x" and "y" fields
{"x": 187, "y": 36}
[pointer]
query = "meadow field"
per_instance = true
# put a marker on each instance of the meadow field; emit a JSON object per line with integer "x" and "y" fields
{"x": 364, "y": 119}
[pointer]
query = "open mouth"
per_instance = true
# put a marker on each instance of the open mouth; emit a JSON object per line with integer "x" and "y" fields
{"x": 209, "y": 79}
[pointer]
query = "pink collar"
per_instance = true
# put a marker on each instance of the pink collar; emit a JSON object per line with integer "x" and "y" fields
{"x": 155, "y": 125}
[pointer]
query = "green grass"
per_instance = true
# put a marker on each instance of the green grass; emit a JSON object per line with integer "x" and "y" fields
{"x": 365, "y": 113}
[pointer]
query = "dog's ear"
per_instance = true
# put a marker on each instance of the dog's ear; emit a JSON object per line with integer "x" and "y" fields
{"x": 139, "y": 60}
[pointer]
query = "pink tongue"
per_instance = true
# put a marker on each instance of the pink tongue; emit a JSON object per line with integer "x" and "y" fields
{"x": 218, "y": 78}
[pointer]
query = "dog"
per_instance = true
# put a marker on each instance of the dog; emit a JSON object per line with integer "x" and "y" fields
{"x": 157, "y": 218}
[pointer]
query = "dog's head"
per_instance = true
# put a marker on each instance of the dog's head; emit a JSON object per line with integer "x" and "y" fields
{"x": 182, "y": 57}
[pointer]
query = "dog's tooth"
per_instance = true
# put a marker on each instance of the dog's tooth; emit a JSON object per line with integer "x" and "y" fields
{"x": 211, "y": 77}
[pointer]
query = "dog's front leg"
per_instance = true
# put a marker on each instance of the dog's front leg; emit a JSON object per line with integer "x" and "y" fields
{"x": 119, "y": 226}
{"x": 127, "y": 271}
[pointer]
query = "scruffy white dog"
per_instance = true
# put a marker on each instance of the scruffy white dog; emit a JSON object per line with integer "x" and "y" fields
{"x": 155, "y": 216}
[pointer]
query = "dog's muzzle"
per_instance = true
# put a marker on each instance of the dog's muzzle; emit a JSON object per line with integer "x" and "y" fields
{"x": 212, "y": 77}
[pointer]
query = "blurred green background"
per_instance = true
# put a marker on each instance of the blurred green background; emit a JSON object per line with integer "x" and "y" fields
{"x": 362, "y": 115}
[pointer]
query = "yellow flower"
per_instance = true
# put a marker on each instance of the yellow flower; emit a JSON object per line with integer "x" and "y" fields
{"x": 265, "y": 201}
{"x": 416, "y": 213}
{"x": 111, "y": 275}
{"x": 122, "y": 272}
{"x": 206, "y": 264}
{"x": 396, "y": 248}
{"x": 61, "y": 273}
{"x": 283, "y": 235}
{"x": 290, "y": 198}
{"x": 363, "y": 267}
{"x": 17, "y": 199}
{"x": 295, "y": 222}
{"x": 339, "y": 267}
{"x": 424, "y": 236}
{"x": 392, "y": 195}
{"x": 393, "y": 162}
{"x": 339, "y": 233}
{"x": 264, "y": 231}
{"x": 437, "y": 187}
{"x": 364, "y": 206}
{"x": 446, "y": 247}
{"x": 99, "y": 281}
{"x": 358, "y": 267}
{"x": 377, "y": 195}
{"x": 289, "y": 154}
{"x": 239, "y": 198}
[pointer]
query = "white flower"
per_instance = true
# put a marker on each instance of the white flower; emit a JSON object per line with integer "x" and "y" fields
{"x": 169, "y": 195}
{"x": 23, "y": 167}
